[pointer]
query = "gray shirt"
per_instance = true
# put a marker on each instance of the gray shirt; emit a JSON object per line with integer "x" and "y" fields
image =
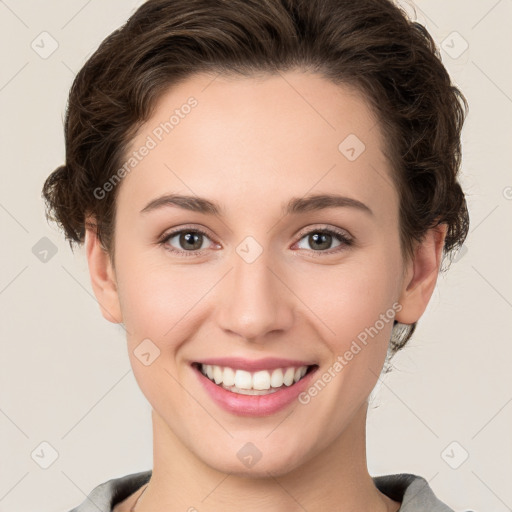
{"x": 411, "y": 490}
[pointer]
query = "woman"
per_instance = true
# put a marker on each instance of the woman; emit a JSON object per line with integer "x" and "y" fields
{"x": 266, "y": 190}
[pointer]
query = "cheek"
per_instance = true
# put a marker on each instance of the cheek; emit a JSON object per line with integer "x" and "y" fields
{"x": 349, "y": 299}
{"x": 157, "y": 299}
{"x": 162, "y": 309}
{"x": 356, "y": 314}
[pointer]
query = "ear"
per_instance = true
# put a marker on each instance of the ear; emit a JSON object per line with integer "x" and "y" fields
{"x": 102, "y": 275}
{"x": 421, "y": 275}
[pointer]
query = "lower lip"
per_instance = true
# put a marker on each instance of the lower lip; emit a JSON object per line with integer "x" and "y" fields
{"x": 254, "y": 405}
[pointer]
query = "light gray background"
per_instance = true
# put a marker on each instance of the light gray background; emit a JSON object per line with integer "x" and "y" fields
{"x": 65, "y": 377}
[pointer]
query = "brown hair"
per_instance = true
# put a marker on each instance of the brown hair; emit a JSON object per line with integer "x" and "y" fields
{"x": 368, "y": 44}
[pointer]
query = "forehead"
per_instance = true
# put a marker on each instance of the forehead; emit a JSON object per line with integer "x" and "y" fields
{"x": 245, "y": 141}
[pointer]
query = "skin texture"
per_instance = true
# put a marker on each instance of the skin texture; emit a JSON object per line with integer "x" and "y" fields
{"x": 250, "y": 145}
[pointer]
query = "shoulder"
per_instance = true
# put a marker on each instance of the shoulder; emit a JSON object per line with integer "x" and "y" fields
{"x": 412, "y": 491}
{"x": 104, "y": 496}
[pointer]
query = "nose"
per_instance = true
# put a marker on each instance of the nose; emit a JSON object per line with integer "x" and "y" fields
{"x": 256, "y": 301}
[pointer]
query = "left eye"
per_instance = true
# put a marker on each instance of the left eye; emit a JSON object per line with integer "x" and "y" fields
{"x": 320, "y": 240}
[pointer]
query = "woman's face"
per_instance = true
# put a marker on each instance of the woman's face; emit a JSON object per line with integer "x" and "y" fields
{"x": 264, "y": 280}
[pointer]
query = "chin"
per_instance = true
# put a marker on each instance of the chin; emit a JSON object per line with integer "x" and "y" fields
{"x": 249, "y": 461}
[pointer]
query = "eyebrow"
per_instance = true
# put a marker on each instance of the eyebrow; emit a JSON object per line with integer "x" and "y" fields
{"x": 295, "y": 204}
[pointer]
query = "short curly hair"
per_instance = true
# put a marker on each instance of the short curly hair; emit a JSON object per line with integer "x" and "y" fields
{"x": 369, "y": 44}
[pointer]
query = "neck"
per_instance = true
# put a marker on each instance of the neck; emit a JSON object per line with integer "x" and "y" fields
{"x": 336, "y": 478}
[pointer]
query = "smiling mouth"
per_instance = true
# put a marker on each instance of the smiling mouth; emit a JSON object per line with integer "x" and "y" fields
{"x": 262, "y": 382}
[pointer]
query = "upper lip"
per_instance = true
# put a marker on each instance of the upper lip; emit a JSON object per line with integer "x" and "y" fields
{"x": 251, "y": 365}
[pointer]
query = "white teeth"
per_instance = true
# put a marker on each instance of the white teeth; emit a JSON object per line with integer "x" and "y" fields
{"x": 228, "y": 378}
{"x": 243, "y": 379}
{"x": 288, "y": 376}
{"x": 234, "y": 389}
{"x": 276, "y": 381}
{"x": 217, "y": 374}
{"x": 260, "y": 382}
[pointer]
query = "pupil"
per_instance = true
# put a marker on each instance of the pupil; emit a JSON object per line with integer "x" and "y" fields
{"x": 188, "y": 238}
{"x": 322, "y": 239}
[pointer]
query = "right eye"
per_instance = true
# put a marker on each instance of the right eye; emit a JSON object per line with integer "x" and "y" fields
{"x": 190, "y": 242}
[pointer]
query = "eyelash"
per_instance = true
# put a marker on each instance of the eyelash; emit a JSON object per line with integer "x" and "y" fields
{"x": 340, "y": 236}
